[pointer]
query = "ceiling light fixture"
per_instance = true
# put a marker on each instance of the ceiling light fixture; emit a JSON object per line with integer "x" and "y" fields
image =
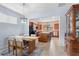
{"x": 23, "y": 19}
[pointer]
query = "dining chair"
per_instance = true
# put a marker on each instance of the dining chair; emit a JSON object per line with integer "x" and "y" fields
{"x": 21, "y": 46}
{"x": 12, "y": 45}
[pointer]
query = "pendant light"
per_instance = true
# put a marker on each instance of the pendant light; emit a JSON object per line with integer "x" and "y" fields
{"x": 23, "y": 19}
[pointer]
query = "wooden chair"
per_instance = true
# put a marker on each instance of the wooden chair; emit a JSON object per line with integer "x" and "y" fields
{"x": 21, "y": 46}
{"x": 12, "y": 45}
{"x": 29, "y": 46}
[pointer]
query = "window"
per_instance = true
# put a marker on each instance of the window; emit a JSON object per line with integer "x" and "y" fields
{"x": 7, "y": 19}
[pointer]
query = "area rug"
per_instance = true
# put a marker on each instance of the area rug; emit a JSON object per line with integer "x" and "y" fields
{"x": 36, "y": 52}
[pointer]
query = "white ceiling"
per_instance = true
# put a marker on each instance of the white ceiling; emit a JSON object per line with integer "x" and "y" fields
{"x": 39, "y": 10}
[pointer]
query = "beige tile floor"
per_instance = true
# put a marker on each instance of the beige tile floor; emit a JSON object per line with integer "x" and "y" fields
{"x": 52, "y": 48}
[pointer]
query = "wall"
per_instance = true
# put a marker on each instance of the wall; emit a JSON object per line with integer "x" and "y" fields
{"x": 7, "y": 30}
{"x": 62, "y": 29}
{"x": 8, "y": 27}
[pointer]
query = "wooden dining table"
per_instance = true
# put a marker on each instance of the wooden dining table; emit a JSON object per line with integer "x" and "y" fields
{"x": 31, "y": 43}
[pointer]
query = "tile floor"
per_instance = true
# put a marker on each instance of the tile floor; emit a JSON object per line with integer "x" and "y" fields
{"x": 51, "y": 48}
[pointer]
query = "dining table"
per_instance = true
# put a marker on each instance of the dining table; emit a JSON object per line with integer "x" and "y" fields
{"x": 31, "y": 43}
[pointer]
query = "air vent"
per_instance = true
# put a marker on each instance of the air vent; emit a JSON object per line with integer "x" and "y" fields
{"x": 61, "y": 4}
